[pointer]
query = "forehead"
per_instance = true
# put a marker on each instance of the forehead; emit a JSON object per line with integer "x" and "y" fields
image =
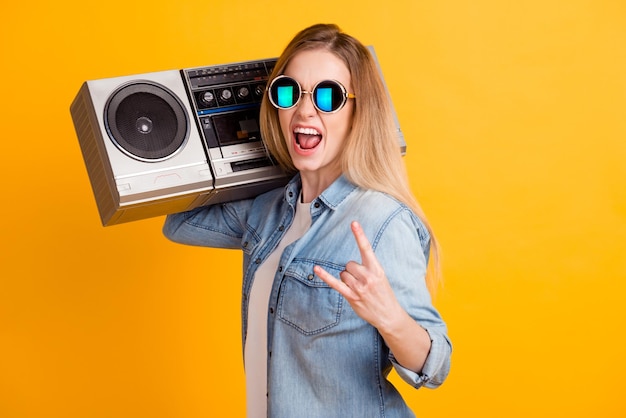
{"x": 311, "y": 66}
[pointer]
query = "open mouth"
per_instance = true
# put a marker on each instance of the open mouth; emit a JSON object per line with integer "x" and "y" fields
{"x": 307, "y": 138}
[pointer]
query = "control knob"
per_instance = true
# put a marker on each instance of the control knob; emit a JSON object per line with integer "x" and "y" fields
{"x": 207, "y": 98}
{"x": 259, "y": 90}
{"x": 243, "y": 92}
{"x": 226, "y": 95}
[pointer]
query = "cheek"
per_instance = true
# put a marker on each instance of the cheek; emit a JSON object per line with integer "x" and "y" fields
{"x": 284, "y": 119}
{"x": 343, "y": 125}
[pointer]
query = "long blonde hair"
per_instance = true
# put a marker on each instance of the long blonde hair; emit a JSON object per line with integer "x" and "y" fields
{"x": 372, "y": 158}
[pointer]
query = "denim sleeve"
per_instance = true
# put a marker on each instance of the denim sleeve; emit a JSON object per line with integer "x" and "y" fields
{"x": 400, "y": 246}
{"x": 219, "y": 226}
{"x": 435, "y": 369}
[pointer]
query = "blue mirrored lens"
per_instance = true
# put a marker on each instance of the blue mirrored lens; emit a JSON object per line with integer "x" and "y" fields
{"x": 324, "y": 98}
{"x": 285, "y": 96}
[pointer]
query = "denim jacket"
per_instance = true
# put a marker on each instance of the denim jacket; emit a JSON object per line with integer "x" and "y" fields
{"x": 324, "y": 360}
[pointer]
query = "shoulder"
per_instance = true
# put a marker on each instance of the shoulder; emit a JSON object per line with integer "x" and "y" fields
{"x": 277, "y": 197}
{"x": 376, "y": 205}
{"x": 381, "y": 214}
{"x": 269, "y": 207}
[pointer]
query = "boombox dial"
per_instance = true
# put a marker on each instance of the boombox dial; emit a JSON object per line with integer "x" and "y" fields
{"x": 207, "y": 98}
{"x": 225, "y": 96}
{"x": 259, "y": 90}
{"x": 243, "y": 93}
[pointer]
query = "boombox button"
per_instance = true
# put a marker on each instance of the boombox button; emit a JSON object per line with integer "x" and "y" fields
{"x": 167, "y": 178}
{"x": 123, "y": 187}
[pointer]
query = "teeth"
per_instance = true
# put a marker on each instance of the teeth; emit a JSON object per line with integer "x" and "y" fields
{"x": 306, "y": 131}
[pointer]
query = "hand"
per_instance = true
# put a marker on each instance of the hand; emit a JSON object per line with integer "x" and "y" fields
{"x": 365, "y": 286}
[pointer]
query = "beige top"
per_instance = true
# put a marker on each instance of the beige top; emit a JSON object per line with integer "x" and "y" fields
{"x": 255, "y": 352}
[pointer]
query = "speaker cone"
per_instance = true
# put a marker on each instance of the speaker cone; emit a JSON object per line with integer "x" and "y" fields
{"x": 146, "y": 121}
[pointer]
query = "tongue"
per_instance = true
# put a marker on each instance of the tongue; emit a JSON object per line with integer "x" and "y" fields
{"x": 308, "y": 141}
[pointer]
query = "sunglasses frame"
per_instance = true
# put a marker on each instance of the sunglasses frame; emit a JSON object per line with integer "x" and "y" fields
{"x": 344, "y": 94}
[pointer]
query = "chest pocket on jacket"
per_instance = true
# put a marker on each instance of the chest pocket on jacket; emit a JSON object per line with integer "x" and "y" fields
{"x": 307, "y": 303}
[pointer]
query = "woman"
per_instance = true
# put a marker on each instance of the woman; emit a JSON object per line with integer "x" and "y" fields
{"x": 334, "y": 287}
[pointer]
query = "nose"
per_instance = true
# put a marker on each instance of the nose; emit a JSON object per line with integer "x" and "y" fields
{"x": 305, "y": 106}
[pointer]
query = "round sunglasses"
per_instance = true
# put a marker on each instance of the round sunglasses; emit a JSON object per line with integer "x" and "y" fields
{"x": 329, "y": 96}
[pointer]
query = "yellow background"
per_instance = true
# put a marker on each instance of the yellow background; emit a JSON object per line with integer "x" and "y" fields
{"x": 515, "y": 119}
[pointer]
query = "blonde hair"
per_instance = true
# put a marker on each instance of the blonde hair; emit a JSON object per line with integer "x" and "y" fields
{"x": 372, "y": 158}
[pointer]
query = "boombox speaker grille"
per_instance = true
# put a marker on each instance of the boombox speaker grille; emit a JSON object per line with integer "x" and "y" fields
{"x": 146, "y": 121}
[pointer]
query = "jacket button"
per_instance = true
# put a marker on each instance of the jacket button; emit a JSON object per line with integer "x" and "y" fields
{"x": 317, "y": 205}
{"x": 257, "y": 261}
{"x": 272, "y": 311}
{"x": 281, "y": 228}
{"x": 280, "y": 269}
{"x": 245, "y": 244}
{"x": 310, "y": 277}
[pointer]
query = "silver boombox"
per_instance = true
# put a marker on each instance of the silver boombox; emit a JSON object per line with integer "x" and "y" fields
{"x": 170, "y": 141}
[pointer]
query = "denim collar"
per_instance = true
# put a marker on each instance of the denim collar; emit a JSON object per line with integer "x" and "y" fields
{"x": 331, "y": 197}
